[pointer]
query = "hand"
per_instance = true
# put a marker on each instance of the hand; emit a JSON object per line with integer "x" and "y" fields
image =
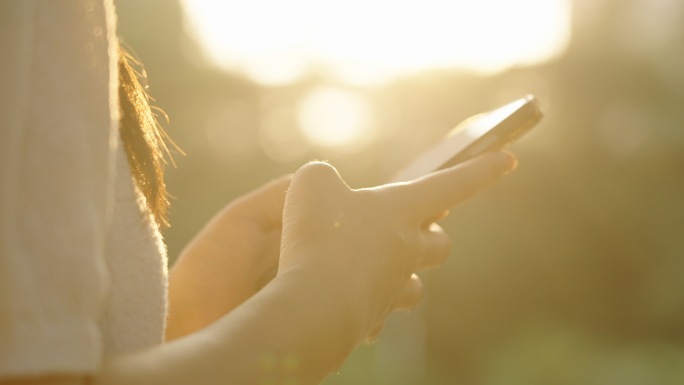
{"x": 363, "y": 246}
{"x": 228, "y": 261}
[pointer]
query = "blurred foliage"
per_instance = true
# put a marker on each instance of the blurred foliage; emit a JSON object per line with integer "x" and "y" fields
{"x": 570, "y": 271}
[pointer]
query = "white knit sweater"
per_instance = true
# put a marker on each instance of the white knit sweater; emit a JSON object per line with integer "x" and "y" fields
{"x": 82, "y": 265}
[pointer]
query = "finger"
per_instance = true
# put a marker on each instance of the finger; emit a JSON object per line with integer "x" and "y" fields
{"x": 443, "y": 189}
{"x": 316, "y": 178}
{"x": 375, "y": 332}
{"x": 268, "y": 266}
{"x": 264, "y": 205}
{"x": 436, "y": 247}
{"x": 433, "y": 219}
{"x": 411, "y": 295}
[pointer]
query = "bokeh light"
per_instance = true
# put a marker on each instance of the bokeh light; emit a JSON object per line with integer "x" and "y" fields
{"x": 334, "y": 117}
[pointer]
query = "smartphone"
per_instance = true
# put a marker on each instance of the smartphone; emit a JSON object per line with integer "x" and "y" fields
{"x": 489, "y": 131}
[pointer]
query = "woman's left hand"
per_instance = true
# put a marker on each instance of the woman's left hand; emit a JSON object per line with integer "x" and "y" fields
{"x": 233, "y": 256}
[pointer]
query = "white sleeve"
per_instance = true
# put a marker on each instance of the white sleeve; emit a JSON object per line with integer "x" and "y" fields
{"x": 58, "y": 116}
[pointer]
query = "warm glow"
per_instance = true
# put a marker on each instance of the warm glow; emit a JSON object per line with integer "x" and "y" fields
{"x": 335, "y": 118}
{"x": 369, "y": 41}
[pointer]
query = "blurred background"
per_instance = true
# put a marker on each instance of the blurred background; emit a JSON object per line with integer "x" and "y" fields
{"x": 570, "y": 271}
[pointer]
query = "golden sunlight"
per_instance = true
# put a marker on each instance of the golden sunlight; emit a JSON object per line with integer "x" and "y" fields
{"x": 370, "y": 41}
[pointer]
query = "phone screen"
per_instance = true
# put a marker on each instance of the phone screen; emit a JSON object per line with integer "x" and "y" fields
{"x": 481, "y": 133}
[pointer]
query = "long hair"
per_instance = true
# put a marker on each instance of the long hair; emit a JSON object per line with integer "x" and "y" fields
{"x": 143, "y": 137}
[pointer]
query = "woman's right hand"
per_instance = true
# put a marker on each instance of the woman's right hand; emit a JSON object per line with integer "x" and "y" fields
{"x": 362, "y": 246}
{"x": 347, "y": 257}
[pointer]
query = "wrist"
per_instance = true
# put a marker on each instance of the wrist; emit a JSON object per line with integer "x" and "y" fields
{"x": 359, "y": 298}
{"x": 329, "y": 297}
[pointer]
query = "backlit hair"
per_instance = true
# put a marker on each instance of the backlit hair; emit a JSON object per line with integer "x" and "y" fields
{"x": 143, "y": 137}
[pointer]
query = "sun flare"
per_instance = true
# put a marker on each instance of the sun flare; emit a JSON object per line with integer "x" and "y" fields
{"x": 370, "y": 41}
{"x": 366, "y": 42}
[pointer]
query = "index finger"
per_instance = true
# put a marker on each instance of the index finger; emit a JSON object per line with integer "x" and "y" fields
{"x": 264, "y": 205}
{"x": 441, "y": 190}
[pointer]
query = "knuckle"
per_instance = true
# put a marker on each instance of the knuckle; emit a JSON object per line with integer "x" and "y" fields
{"x": 441, "y": 239}
{"x": 412, "y": 294}
{"x": 437, "y": 249}
{"x": 315, "y": 169}
{"x": 317, "y": 175}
